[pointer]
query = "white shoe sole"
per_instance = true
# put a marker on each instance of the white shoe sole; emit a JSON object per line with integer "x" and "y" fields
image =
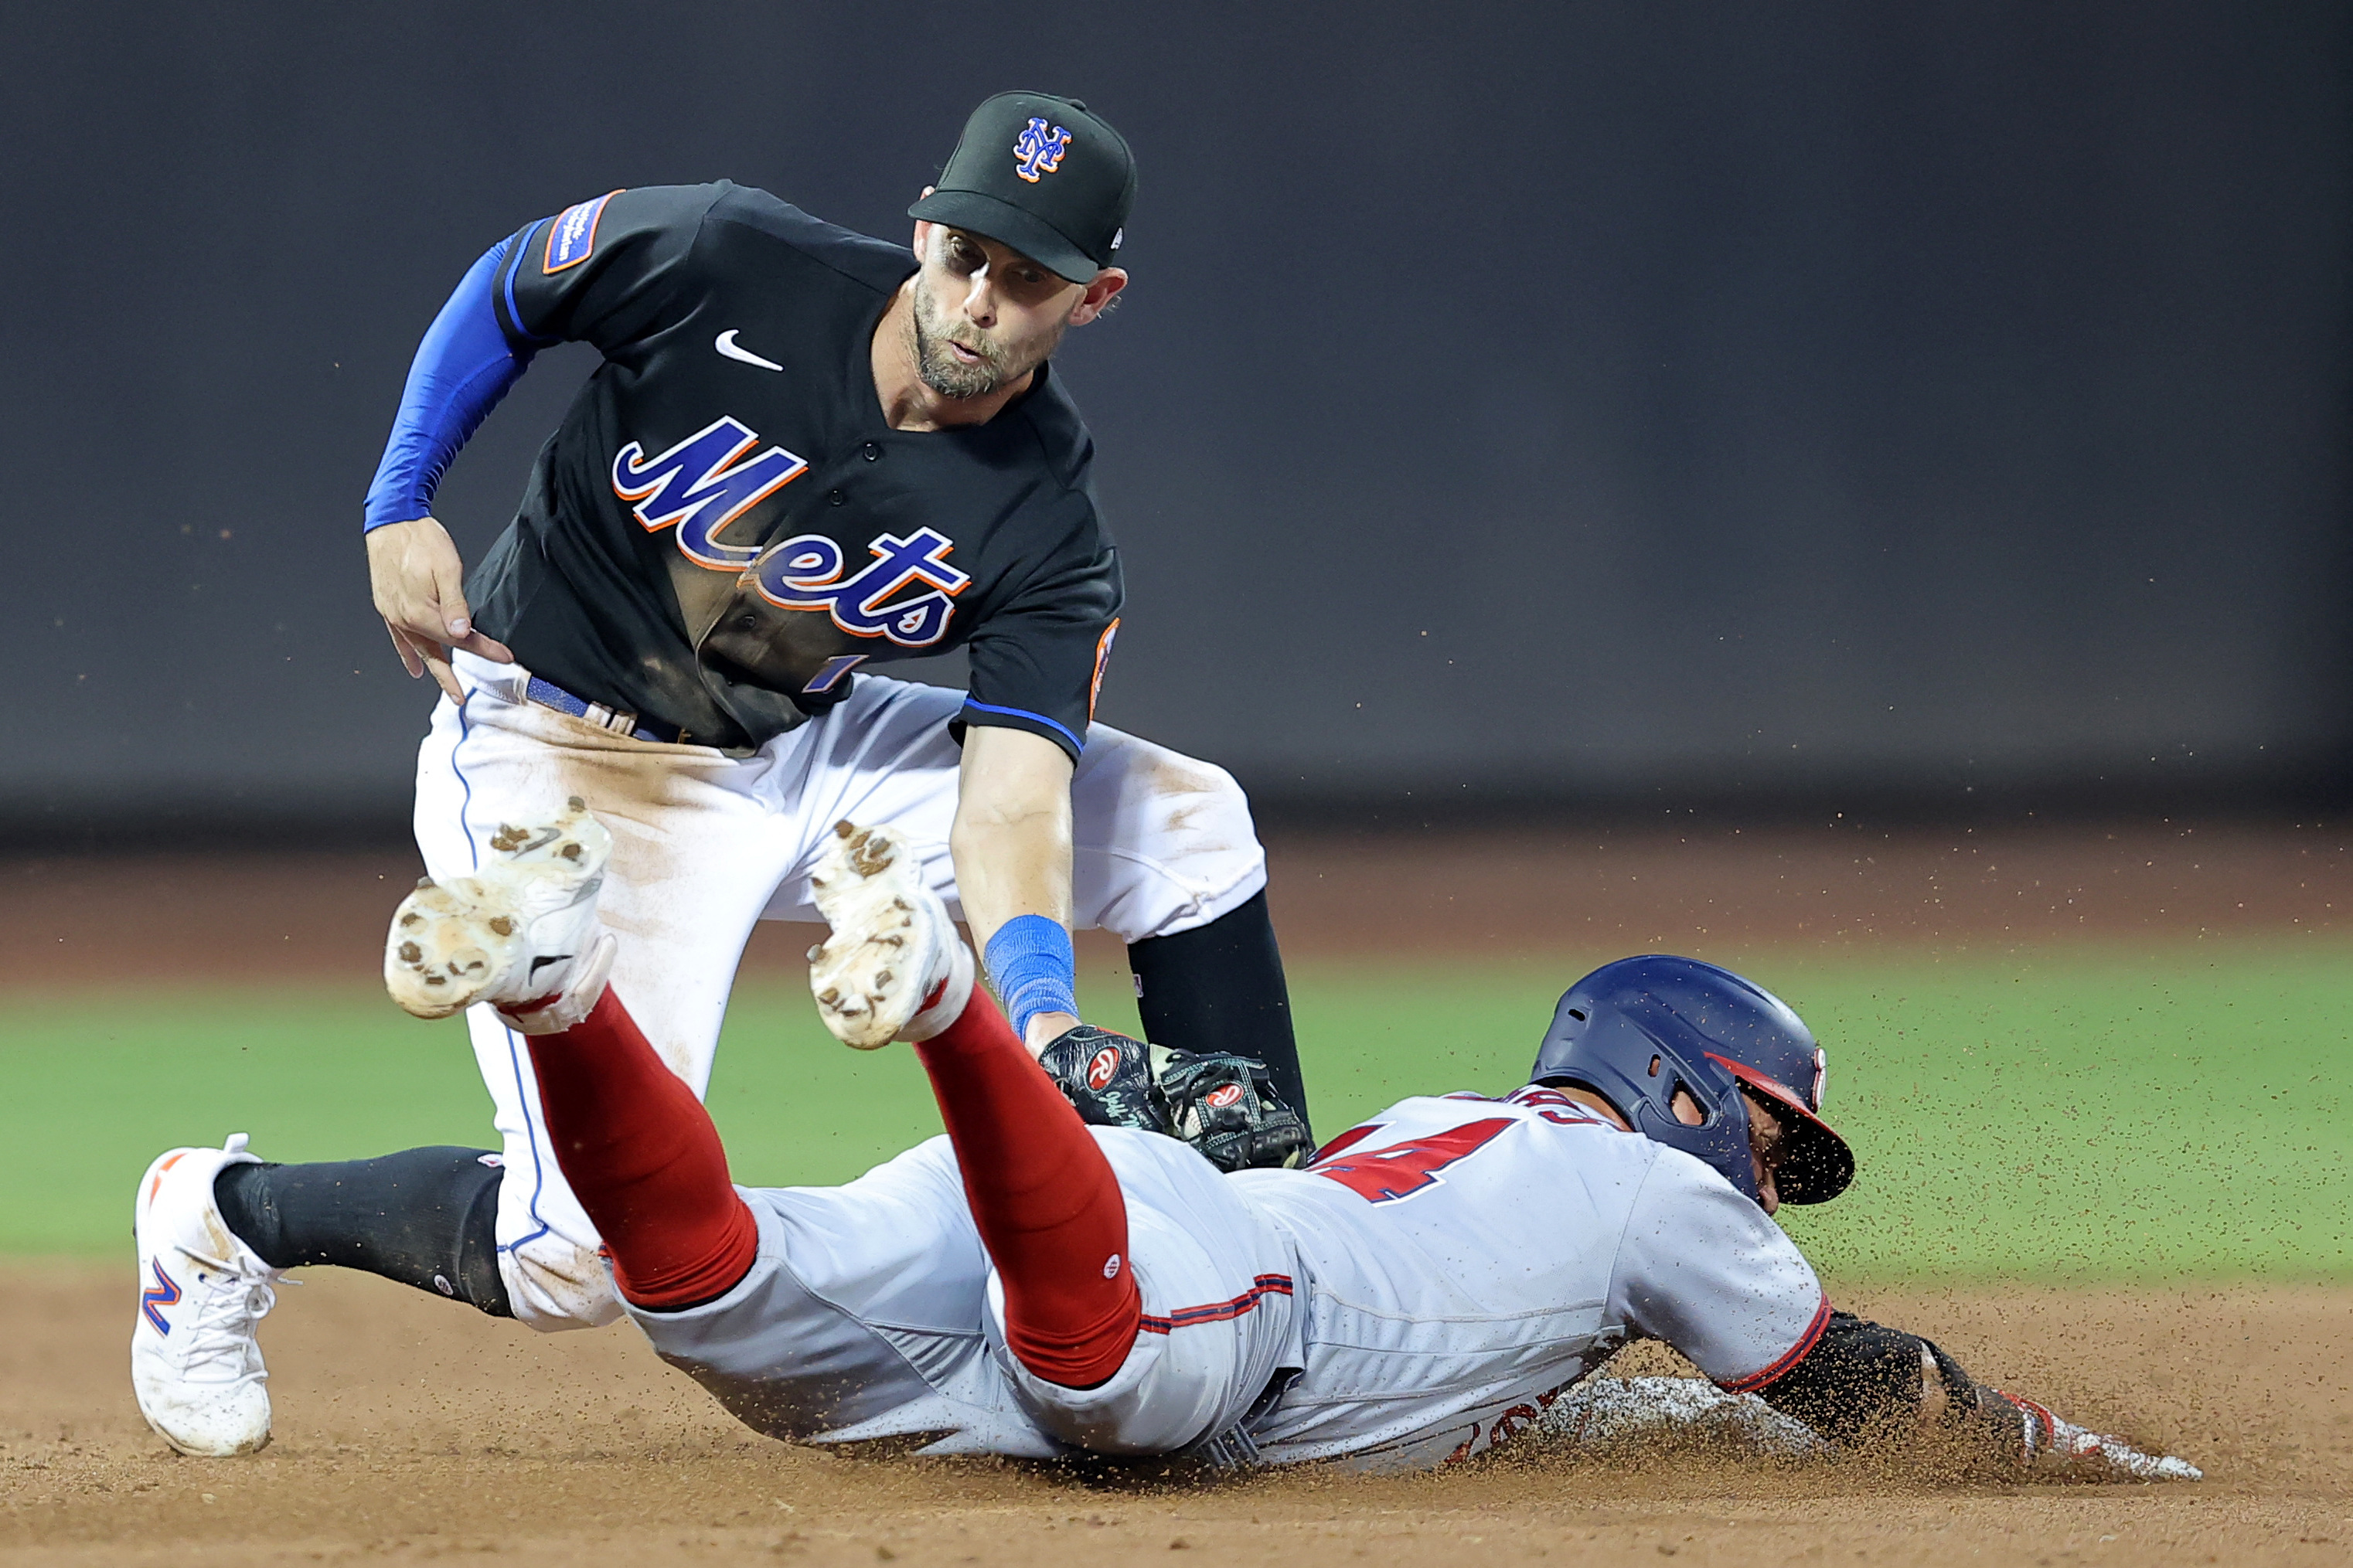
{"x": 473, "y": 938}
{"x": 892, "y": 943}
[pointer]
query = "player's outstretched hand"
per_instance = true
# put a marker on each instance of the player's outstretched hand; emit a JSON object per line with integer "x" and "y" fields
{"x": 2058, "y": 1447}
{"x": 419, "y": 586}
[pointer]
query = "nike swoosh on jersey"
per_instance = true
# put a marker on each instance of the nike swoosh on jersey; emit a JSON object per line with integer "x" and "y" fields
{"x": 725, "y": 344}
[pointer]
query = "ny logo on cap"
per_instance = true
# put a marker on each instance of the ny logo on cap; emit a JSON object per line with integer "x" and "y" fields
{"x": 1039, "y": 150}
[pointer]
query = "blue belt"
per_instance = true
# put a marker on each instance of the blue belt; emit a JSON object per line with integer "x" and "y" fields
{"x": 547, "y": 694}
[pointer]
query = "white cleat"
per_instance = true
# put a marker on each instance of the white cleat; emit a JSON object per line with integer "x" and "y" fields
{"x": 521, "y": 933}
{"x": 895, "y": 967}
{"x": 194, "y": 1363}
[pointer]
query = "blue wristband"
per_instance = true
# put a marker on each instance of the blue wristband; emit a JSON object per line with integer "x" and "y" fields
{"x": 1035, "y": 969}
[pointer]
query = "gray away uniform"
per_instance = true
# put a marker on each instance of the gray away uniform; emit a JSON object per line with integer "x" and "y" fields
{"x": 1440, "y": 1276}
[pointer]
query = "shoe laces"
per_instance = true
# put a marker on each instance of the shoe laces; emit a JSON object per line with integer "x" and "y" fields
{"x": 221, "y": 1331}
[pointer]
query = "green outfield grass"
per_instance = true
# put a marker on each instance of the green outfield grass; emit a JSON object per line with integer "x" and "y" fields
{"x": 2077, "y": 1114}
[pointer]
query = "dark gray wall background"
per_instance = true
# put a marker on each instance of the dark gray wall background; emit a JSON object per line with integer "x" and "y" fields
{"x": 1583, "y": 400}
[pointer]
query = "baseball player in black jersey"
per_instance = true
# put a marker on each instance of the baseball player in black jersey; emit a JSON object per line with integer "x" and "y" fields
{"x": 806, "y": 455}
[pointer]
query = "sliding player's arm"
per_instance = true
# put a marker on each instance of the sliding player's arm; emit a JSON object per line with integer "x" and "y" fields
{"x": 1702, "y": 1267}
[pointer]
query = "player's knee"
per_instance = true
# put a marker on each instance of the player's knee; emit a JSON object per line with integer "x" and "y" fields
{"x": 1216, "y": 1311}
{"x": 1166, "y": 842}
{"x": 1199, "y": 808}
{"x": 553, "y": 1285}
{"x": 1222, "y": 802}
{"x": 1171, "y": 1392}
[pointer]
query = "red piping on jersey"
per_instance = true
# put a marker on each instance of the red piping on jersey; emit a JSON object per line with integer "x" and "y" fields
{"x": 1219, "y": 1311}
{"x": 1789, "y": 1358}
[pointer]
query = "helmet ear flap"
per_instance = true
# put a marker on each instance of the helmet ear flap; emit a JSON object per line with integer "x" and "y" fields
{"x": 1720, "y": 1137}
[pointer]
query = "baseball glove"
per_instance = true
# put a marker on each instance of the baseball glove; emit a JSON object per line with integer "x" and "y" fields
{"x": 1221, "y": 1104}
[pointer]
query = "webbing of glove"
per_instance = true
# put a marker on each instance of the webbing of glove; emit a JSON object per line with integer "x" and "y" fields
{"x": 1225, "y": 1106}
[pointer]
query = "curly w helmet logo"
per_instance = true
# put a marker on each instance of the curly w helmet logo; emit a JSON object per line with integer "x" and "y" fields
{"x": 805, "y": 573}
{"x": 1039, "y": 150}
{"x": 702, "y": 484}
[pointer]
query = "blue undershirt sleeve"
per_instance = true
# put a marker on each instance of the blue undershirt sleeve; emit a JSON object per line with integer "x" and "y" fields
{"x": 463, "y": 367}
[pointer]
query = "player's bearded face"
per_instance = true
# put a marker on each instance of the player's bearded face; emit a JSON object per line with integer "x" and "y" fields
{"x": 960, "y": 356}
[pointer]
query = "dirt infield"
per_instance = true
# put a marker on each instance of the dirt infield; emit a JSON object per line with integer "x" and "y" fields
{"x": 409, "y": 1429}
{"x": 68, "y": 921}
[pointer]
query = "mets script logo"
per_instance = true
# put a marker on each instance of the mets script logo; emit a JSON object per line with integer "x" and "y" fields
{"x": 701, "y": 485}
{"x": 805, "y": 573}
{"x": 1039, "y": 150}
{"x": 714, "y": 476}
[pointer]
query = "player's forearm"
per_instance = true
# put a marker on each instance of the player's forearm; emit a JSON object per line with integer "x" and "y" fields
{"x": 1011, "y": 846}
{"x": 1011, "y": 839}
{"x": 1861, "y": 1375}
{"x": 463, "y": 367}
{"x": 1861, "y": 1378}
{"x": 1013, "y": 866}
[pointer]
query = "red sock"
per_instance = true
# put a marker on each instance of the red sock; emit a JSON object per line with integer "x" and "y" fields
{"x": 1048, "y": 1208}
{"x": 641, "y": 1153}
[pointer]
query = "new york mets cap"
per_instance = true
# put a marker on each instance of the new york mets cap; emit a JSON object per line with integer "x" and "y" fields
{"x": 1043, "y": 174}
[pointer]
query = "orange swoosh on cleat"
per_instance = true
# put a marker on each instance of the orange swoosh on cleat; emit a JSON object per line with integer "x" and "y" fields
{"x": 156, "y": 1185}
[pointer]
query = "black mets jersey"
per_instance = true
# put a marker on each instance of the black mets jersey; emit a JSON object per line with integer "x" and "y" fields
{"x": 723, "y": 528}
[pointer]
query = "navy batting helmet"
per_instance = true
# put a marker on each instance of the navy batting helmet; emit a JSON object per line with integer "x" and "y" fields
{"x": 1637, "y": 1030}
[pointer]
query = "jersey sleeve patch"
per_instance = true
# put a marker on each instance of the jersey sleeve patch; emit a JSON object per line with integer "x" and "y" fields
{"x": 572, "y": 237}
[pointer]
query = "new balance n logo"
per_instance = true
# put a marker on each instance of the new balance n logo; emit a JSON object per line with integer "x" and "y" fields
{"x": 164, "y": 1292}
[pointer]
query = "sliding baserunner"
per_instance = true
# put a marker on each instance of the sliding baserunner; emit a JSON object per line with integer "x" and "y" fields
{"x": 1027, "y": 1285}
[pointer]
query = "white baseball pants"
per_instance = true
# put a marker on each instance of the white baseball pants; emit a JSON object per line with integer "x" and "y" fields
{"x": 705, "y": 844}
